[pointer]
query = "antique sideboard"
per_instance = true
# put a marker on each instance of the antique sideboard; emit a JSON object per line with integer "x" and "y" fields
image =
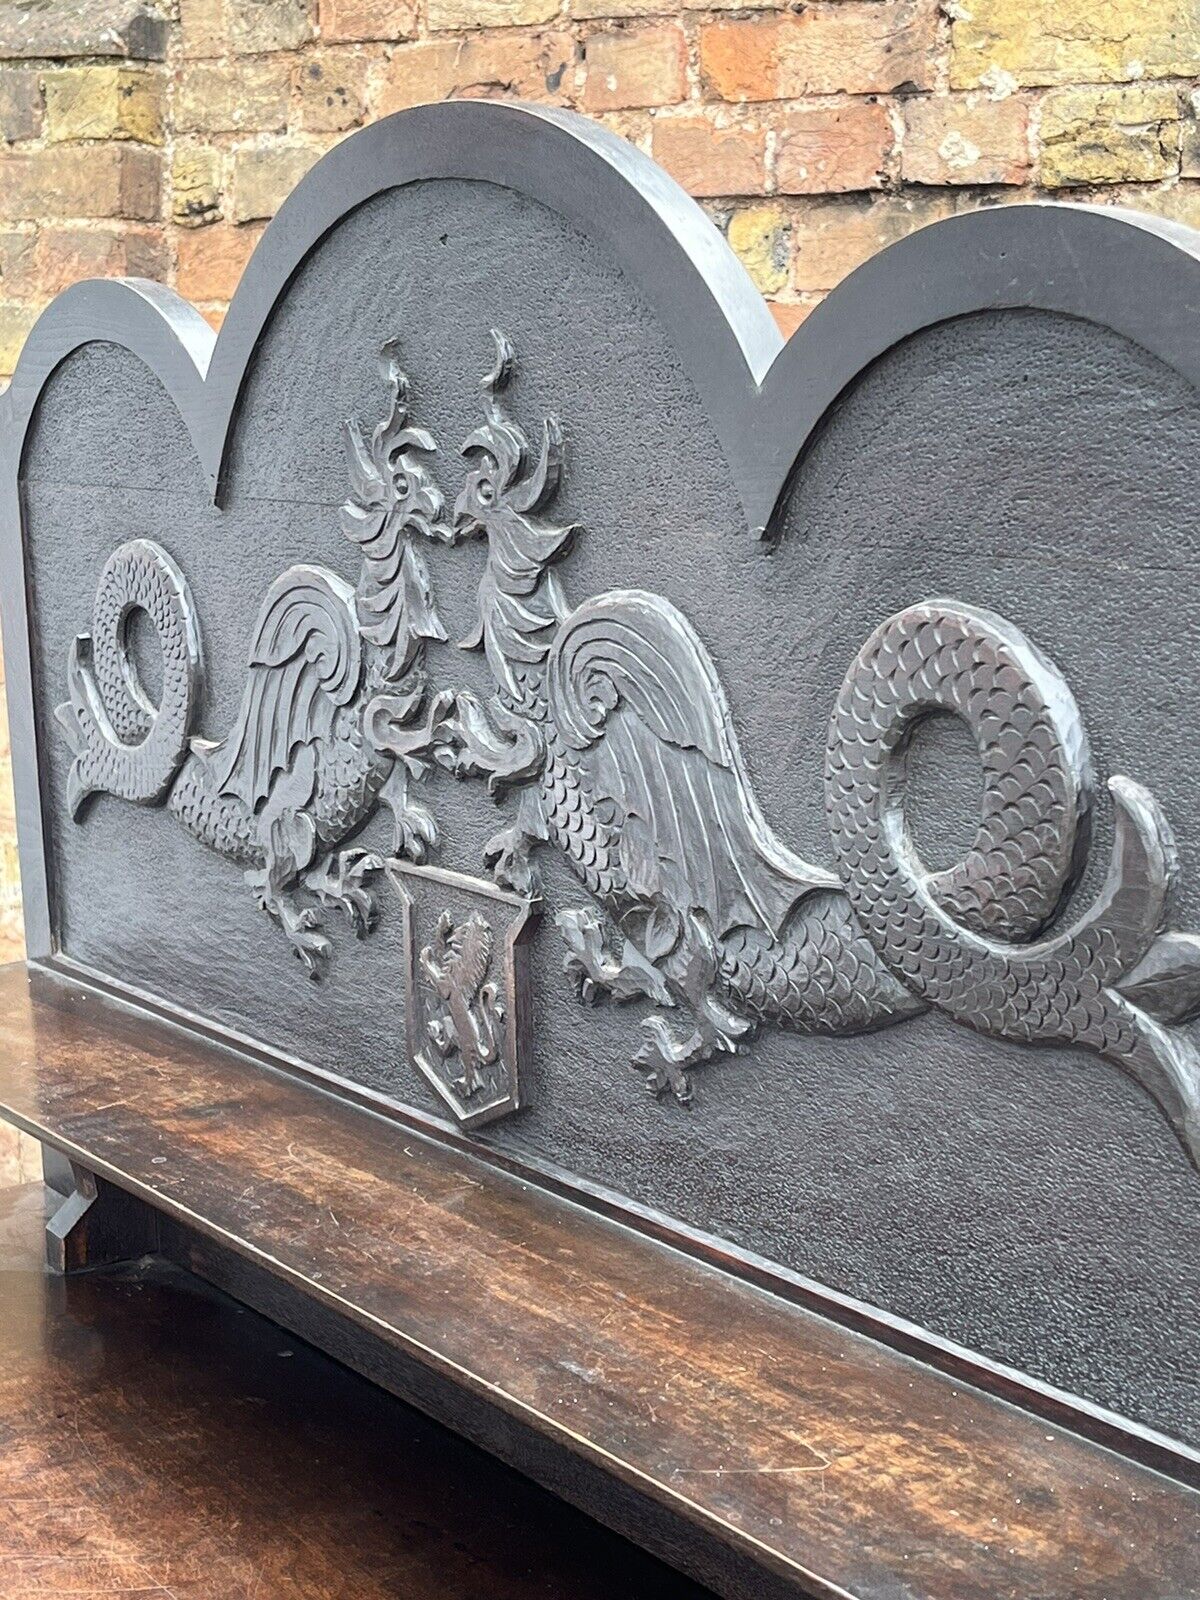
{"x": 637, "y": 884}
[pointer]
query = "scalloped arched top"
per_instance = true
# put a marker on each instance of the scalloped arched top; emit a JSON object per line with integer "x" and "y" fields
{"x": 764, "y": 398}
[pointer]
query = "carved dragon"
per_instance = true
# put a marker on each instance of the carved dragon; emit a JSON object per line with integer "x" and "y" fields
{"x": 610, "y": 722}
{"x": 330, "y": 721}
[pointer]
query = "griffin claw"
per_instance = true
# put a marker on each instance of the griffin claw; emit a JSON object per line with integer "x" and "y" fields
{"x": 312, "y": 950}
{"x": 597, "y": 972}
{"x": 587, "y": 990}
{"x": 338, "y": 883}
{"x": 415, "y": 833}
{"x": 506, "y": 856}
{"x": 663, "y": 1075}
{"x": 302, "y": 928}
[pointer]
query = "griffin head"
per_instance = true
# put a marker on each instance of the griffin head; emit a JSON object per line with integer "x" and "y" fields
{"x": 504, "y": 486}
{"x": 392, "y": 498}
{"x": 520, "y": 602}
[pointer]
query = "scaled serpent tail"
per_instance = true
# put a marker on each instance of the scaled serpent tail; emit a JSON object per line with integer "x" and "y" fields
{"x": 959, "y": 939}
{"x": 123, "y": 744}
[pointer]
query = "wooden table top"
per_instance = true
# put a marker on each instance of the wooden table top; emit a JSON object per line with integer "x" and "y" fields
{"x": 845, "y": 1466}
{"x": 160, "y": 1442}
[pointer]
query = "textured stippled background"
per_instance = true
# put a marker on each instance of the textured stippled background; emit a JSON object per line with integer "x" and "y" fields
{"x": 1032, "y": 1204}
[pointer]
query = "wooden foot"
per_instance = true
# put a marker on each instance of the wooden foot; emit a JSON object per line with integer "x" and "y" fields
{"x": 96, "y": 1224}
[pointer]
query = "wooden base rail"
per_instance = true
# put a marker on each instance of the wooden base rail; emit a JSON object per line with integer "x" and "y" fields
{"x": 755, "y": 1445}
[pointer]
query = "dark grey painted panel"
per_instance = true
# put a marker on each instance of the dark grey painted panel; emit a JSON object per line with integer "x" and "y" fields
{"x": 1032, "y": 1204}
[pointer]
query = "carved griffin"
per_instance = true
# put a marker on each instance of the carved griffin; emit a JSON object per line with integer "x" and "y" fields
{"x": 610, "y": 722}
{"x": 330, "y": 719}
{"x": 469, "y": 1021}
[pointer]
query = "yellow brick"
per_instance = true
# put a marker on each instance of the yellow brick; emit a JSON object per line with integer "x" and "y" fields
{"x": 759, "y": 236}
{"x": 331, "y": 90}
{"x": 265, "y": 174}
{"x": 1109, "y": 135}
{"x": 258, "y": 26}
{"x": 994, "y": 42}
{"x": 659, "y": 8}
{"x": 1189, "y": 156}
{"x": 216, "y": 98}
{"x": 611, "y": 9}
{"x": 1179, "y": 203}
{"x": 104, "y": 103}
{"x": 196, "y": 182}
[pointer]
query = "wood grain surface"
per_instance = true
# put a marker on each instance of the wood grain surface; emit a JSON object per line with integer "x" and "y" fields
{"x": 840, "y": 1466}
{"x": 158, "y": 1441}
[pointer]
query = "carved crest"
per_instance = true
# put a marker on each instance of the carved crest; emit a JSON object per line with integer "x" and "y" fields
{"x": 467, "y": 991}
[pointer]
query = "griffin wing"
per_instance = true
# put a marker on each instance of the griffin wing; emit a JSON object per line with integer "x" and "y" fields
{"x": 635, "y": 695}
{"x": 305, "y": 662}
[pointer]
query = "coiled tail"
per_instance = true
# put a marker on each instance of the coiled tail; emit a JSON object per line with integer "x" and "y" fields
{"x": 970, "y": 941}
{"x": 123, "y": 743}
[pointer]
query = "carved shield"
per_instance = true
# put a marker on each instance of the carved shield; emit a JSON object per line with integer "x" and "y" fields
{"x": 466, "y": 988}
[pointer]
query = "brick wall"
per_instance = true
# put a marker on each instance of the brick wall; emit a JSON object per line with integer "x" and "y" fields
{"x": 134, "y": 140}
{"x": 813, "y": 133}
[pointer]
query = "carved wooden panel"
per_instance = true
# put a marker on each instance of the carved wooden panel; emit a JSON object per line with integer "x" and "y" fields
{"x": 493, "y": 664}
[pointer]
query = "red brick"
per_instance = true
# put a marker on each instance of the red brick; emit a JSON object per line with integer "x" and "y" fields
{"x": 965, "y": 140}
{"x": 789, "y": 314}
{"x": 833, "y": 149}
{"x": 65, "y": 255}
{"x": 203, "y": 29}
{"x": 635, "y": 67}
{"x": 212, "y": 260}
{"x": 708, "y": 160}
{"x": 20, "y": 103}
{"x": 533, "y": 65}
{"x": 99, "y": 180}
{"x": 346, "y": 21}
{"x": 851, "y": 47}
